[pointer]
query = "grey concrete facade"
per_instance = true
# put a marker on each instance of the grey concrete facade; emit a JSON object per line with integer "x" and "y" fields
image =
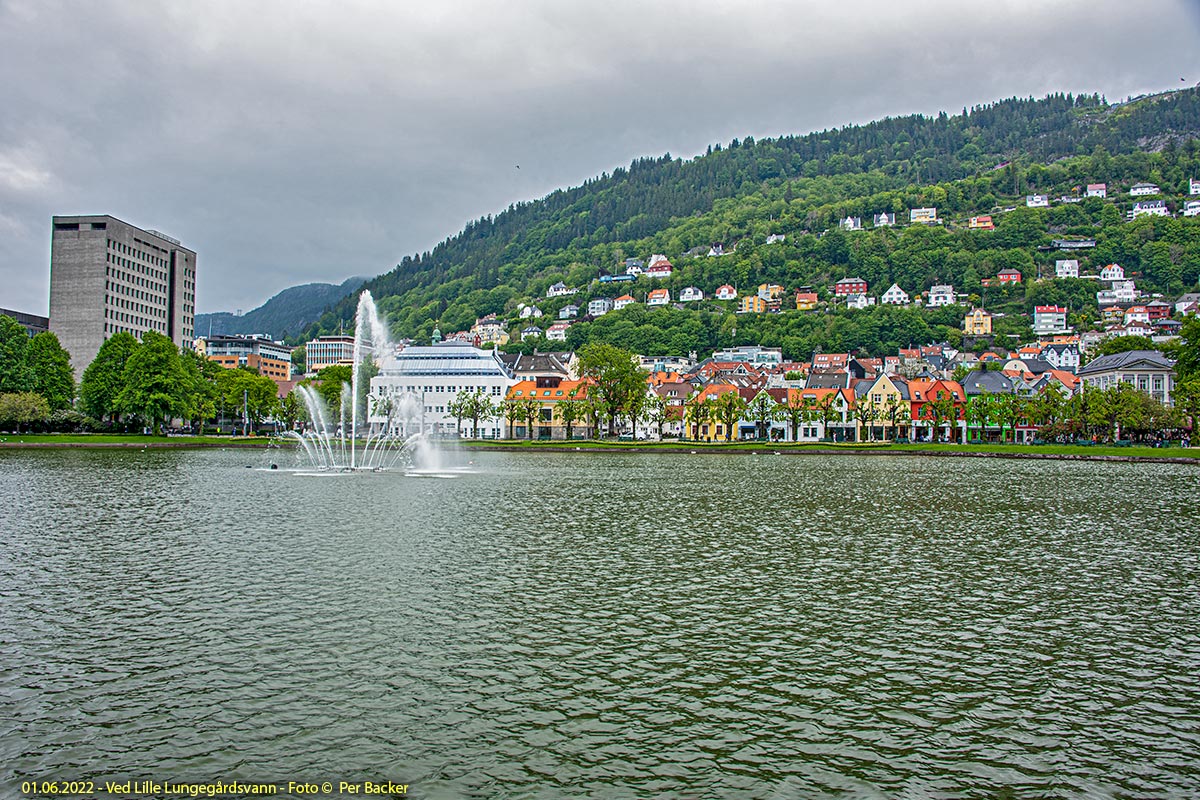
{"x": 108, "y": 276}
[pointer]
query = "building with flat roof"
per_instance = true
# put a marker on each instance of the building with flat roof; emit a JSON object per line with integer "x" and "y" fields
{"x": 252, "y": 351}
{"x": 107, "y": 276}
{"x": 328, "y": 351}
{"x": 32, "y": 323}
{"x": 415, "y": 387}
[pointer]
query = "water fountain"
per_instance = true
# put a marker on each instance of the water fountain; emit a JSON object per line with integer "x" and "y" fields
{"x": 333, "y": 446}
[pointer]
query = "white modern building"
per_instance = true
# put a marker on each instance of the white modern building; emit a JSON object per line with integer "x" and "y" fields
{"x": 600, "y": 306}
{"x": 1049, "y": 320}
{"x": 1191, "y": 208}
{"x": 414, "y": 389}
{"x": 1037, "y": 200}
{"x": 1144, "y": 190}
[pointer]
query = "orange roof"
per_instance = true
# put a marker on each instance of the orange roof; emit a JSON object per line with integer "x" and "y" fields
{"x": 625, "y": 297}
{"x": 715, "y": 390}
{"x": 526, "y": 389}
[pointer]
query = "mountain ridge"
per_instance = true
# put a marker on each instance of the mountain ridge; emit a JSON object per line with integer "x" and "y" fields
{"x": 286, "y": 314}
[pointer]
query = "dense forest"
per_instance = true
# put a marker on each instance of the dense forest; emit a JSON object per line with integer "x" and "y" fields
{"x": 983, "y": 161}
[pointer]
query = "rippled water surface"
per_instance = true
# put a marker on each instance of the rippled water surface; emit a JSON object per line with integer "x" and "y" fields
{"x": 620, "y": 625}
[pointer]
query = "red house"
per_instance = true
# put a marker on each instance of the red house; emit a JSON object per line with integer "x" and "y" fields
{"x": 849, "y": 286}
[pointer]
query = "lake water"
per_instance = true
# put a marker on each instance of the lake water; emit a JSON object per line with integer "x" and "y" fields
{"x": 567, "y": 625}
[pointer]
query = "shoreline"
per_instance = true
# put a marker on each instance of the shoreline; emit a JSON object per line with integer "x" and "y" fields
{"x": 866, "y": 449}
{"x": 1027, "y": 452}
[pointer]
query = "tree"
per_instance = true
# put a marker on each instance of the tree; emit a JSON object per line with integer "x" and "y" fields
{"x": 1008, "y": 410}
{"x": 896, "y": 411}
{"x": 570, "y": 410}
{"x": 244, "y": 391}
{"x": 978, "y": 410}
{"x": 614, "y": 379}
{"x": 728, "y": 410}
{"x": 299, "y": 360}
{"x": 154, "y": 381}
{"x": 482, "y": 407}
{"x": 50, "y": 373}
{"x": 460, "y": 407}
{"x": 530, "y": 410}
{"x": 795, "y": 413}
{"x": 1123, "y": 344}
{"x": 762, "y": 411}
{"x": 943, "y": 408}
{"x": 866, "y": 413}
{"x": 14, "y": 366}
{"x": 22, "y": 408}
{"x": 827, "y": 411}
{"x": 697, "y": 412}
{"x": 1187, "y": 354}
{"x": 103, "y": 379}
{"x": 331, "y": 381}
{"x": 510, "y": 407}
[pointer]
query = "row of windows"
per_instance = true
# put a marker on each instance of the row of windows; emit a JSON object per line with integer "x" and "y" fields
{"x": 125, "y": 249}
{"x": 495, "y": 390}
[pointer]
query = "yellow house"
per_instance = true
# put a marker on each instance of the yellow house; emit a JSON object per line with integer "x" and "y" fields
{"x": 752, "y": 304}
{"x": 886, "y": 405}
{"x": 977, "y": 323}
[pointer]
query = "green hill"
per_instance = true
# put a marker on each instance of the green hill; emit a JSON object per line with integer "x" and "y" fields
{"x": 288, "y": 313}
{"x": 981, "y": 161}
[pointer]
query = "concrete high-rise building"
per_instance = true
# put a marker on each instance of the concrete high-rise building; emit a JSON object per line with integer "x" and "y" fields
{"x": 108, "y": 276}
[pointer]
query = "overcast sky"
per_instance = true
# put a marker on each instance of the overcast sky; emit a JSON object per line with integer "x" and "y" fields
{"x": 291, "y": 142}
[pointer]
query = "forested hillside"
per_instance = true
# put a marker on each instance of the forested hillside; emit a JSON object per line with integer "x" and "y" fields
{"x": 288, "y": 313}
{"x": 982, "y": 161}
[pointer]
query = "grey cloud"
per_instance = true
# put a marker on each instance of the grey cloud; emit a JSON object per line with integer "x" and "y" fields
{"x": 297, "y": 142}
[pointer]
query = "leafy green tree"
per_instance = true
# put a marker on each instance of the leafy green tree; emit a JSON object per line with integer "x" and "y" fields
{"x": 291, "y": 410}
{"x": 943, "y": 410}
{"x": 15, "y": 375}
{"x": 978, "y": 411}
{"x": 104, "y": 378}
{"x": 483, "y": 408}
{"x": 512, "y": 411}
{"x": 762, "y": 412}
{"x": 570, "y": 410}
{"x": 23, "y": 408}
{"x": 244, "y": 391}
{"x": 330, "y": 383}
{"x": 1187, "y": 354}
{"x": 697, "y": 413}
{"x": 657, "y": 412}
{"x": 530, "y": 410}
{"x": 299, "y": 360}
{"x": 50, "y": 372}
{"x": 795, "y": 413}
{"x": 897, "y": 412}
{"x": 460, "y": 408}
{"x": 728, "y": 410}
{"x": 154, "y": 383}
{"x": 614, "y": 379}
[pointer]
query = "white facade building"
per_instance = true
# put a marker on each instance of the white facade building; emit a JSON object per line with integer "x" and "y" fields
{"x": 1191, "y": 208}
{"x": 690, "y": 295}
{"x": 600, "y": 306}
{"x": 414, "y": 389}
{"x": 941, "y": 295}
{"x": 1144, "y": 190}
{"x": 1066, "y": 268}
{"x": 1037, "y": 201}
{"x": 859, "y": 301}
{"x": 894, "y": 296}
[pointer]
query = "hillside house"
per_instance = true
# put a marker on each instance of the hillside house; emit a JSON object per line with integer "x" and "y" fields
{"x": 1150, "y": 208}
{"x": 560, "y": 289}
{"x": 658, "y": 297}
{"x": 894, "y": 296}
{"x": 600, "y": 306}
{"x": 1113, "y": 272}
{"x": 1066, "y": 268}
{"x": 726, "y": 292}
{"x": 884, "y": 220}
{"x": 923, "y": 216}
{"x": 849, "y": 286}
{"x": 623, "y": 301}
{"x": 775, "y": 238}
{"x": 1191, "y": 208}
{"x": 977, "y": 323}
{"x": 941, "y": 295}
{"x": 752, "y": 304}
{"x": 1096, "y": 190}
{"x": 983, "y": 223}
{"x": 1037, "y": 201}
{"x": 852, "y": 224}
{"x": 806, "y": 301}
{"x": 1049, "y": 320}
{"x": 1144, "y": 190}
{"x": 859, "y": 301}
{"x": 558, "y": 331}
{"x": 568, "y": 311}
{"x": 691, "y": 295}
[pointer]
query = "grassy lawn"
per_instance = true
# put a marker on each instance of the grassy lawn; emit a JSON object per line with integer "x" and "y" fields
{"x": 68, "y": 439}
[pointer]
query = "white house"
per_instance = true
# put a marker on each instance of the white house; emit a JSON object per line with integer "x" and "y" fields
{"x": 558, "y": 331}
{"x": 1144, "y": 189}
{"x": 885, "y": 220}
{"x": 1150, "y": 208}
{"x": 775, "y": 238}
{"x": 658, "y": 258}
{"x": 1096, "y": 190}
{"x": 660, "y": 270}
{"x": 717, "y": 249}
{"x": 859, "y": 301}
{"x": 1048, "y": 320}
{"x": 530, "y": 312}
{"x": 560, "y": 289}
{"x": 634, "y": 269}
{"x": 894, "y": 296}
{"x": 852, "y": 224}
{"x": 1193, "y": 186}
{"x": 1066, "y": 268}
{"x": 690, "y": 295}
{"x": 1137, "y": 314}
{"x": 623, "y": 301}
{"x": 941, "y": 295}
{"x": 658, "y": 297}
{"x": 726, "y": 292}
{"x": 1121, "y": 292}
{"x": 1037, "y": 201}
{"x": 1113, "y": 272}
{"x": 531, "y": 330}
{"x": 1191, "y": 208}
{"x": 566, "y": 312}
{"x": 1062, "y": 356}
{"x": 924, "y": 216}
{"x": 600, "y": 306}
